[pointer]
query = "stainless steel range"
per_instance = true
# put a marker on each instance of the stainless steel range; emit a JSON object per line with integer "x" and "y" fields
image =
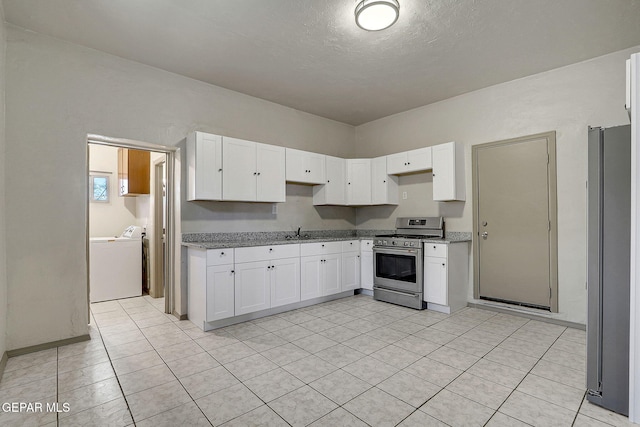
{"x": 398, "y": 260}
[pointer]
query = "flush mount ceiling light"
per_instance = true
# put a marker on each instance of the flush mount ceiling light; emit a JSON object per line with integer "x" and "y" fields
{"x": 376, "y": 15}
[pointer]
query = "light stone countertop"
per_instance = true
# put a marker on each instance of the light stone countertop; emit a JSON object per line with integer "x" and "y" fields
{"x": 238, "y": 240}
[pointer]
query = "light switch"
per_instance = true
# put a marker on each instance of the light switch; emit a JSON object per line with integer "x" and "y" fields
{"x": 404, "y": 195}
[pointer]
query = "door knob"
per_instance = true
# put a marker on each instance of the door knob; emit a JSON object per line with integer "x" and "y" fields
{"x": 485, "y": 235}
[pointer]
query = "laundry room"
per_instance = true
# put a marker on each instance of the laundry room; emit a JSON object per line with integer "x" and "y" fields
{"x": 126, "y": 190}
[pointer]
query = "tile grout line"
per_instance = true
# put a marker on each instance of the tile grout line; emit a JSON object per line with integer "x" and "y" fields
{"x": 528, "y": 372}
{"x": 115, "y": 373}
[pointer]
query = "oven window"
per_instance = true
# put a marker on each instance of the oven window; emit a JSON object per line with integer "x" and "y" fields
{"x": 396, "y": 267}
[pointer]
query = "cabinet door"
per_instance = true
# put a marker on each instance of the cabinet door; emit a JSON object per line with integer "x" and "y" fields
{"x": 331, "y": 274}
{"x": 285, "y": 281}
{"x": 238, "y": 169}
{"x": 384, "y": 188}
{"x": 358, "y": 181}
{"x": 271, "y": 185}
{"x": 296, "y": 169}
{"x": 122, "y": 171}
{"x": 333, "y": 192}
{"x": 448, "y": 172}
{"x": 397, "y": 163}
{"x": 252, "y": 289}
{"x": 310, "y": 277}
{"x": 350, "y": 271}
{"x": 435, "y": 280}
{"x": 419, "y": 160}
{"x": 316, "y": 164}
{"x": 204, "y": 162}
{"x": 220, "y": 292}
{"x": 366, "y": 270}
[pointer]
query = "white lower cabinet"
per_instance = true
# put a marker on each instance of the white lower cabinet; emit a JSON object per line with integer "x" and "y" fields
{"x": 435, "y": 276}
{"x": 210, "y": 285}
{"x": 252, "y": 287}
{"x": 310, "y": 277}
{"x": 446, "y": 276}
{"x": 350, "y": 271}
{"x": 285, "y": 281}
{"x": 366, "y": 264}
{"x": 320, "y": 276}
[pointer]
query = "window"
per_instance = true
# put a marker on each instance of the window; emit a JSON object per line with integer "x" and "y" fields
{"x": 99, "y": 188}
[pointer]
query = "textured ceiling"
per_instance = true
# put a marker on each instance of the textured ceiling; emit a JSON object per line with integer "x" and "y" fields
{"x": 310, "y": 55}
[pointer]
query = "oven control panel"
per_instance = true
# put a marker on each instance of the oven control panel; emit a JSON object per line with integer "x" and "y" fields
{"x": 397, "y": 242}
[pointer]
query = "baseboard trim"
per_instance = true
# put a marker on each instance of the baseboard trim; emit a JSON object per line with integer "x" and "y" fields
{"x": 3, "y": 363}
{"x": 181, "y": 316}
{"x": 521, "y": 312}
{"x": 47, "y": 346}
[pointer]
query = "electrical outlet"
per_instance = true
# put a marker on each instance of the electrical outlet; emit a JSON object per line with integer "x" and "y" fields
{"x": 404, "y": 195}
{"x": 274, "y": 209}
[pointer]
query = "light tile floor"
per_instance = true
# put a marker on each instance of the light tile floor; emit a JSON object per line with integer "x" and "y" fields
{"x": 349, "y": 362}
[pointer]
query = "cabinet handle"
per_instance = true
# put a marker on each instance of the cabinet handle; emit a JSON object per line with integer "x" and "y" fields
{"x": 268, "y": 267}
{"x": 271, "y": 249}
{"x": 348, "y": 183}
{"x": 358, "y": 256}
{"x": 273, "y": 266}
{"x": 221, "y": 253}
{"x": 328, "y": 181}
{"x": 434, "y": 246}
{"x": 233, "y": 272}
{"x": 258, "y": 173}
{"x": 255, "y": 173}
{"x": 384, "y": 181}
{"x": 220, "y": 170}
{"x": 443, "y": 264}
{"x": 323, "y": 246}
{"x": 434, "y": 174}
{"x": 408, "y": 163}
{"x": 405, "y": 163}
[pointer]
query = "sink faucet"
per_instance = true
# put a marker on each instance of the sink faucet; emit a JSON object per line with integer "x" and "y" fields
{"x": 298, "y": 233}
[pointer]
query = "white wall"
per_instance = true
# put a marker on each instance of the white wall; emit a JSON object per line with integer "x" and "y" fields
{"x": 109, "y": 219}
{"x": 56, "y": 94}
{"x": 566, "y": 100}
{"x": 3, "y": 240}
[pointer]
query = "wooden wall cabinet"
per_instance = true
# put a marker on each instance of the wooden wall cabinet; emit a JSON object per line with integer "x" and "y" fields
{"x": 133, "y": 172}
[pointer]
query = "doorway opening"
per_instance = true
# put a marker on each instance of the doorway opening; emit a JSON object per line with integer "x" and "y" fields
{"x": 130, "y": 220}
{"x": 515, "y": 222}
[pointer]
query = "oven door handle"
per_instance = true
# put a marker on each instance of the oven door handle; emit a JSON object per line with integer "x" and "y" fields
{"x": 407, "y": 294}
{"x": 385, "y": 250}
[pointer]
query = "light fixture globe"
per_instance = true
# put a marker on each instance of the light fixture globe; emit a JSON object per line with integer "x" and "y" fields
{"x": 376, "y": 15}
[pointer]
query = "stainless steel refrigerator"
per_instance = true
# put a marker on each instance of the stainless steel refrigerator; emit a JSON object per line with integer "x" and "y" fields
{"x": 608, "y": 246}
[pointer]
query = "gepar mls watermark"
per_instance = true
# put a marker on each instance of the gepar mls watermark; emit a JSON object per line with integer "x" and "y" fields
{"x": 35, "y": 407}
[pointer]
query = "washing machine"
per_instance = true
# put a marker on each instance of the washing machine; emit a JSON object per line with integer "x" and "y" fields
{"x": 115, "y": 266}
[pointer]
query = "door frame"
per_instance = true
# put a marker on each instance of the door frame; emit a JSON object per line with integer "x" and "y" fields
{"x": 158, "y": 231}
{"x": 553, "y": 210}
{"x": 170, "y": 255}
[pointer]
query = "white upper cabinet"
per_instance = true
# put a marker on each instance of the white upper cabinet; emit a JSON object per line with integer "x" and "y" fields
{"x": 270, "y": 173}
{"x": 334, "y": 190}
{"x": 384, "y": 187}
{"x": 305, "y": 167}
{"x": 409, "y": 161}
{"x": 252, "y": 172}
{"x": 204, "y": 164}
{"x": 358, "y": 181}
{"x": 448, "y": 172}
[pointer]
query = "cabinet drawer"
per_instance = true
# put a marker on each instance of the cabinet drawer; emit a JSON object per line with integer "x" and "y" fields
{"x": 366, "y": 246}
{"x": 219, "y": 256}
{"x": 320, "y": 248}
{"x": 351, "y": 246}
{"x": 265, "y": 253}
{"x": 435, "y": 249}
